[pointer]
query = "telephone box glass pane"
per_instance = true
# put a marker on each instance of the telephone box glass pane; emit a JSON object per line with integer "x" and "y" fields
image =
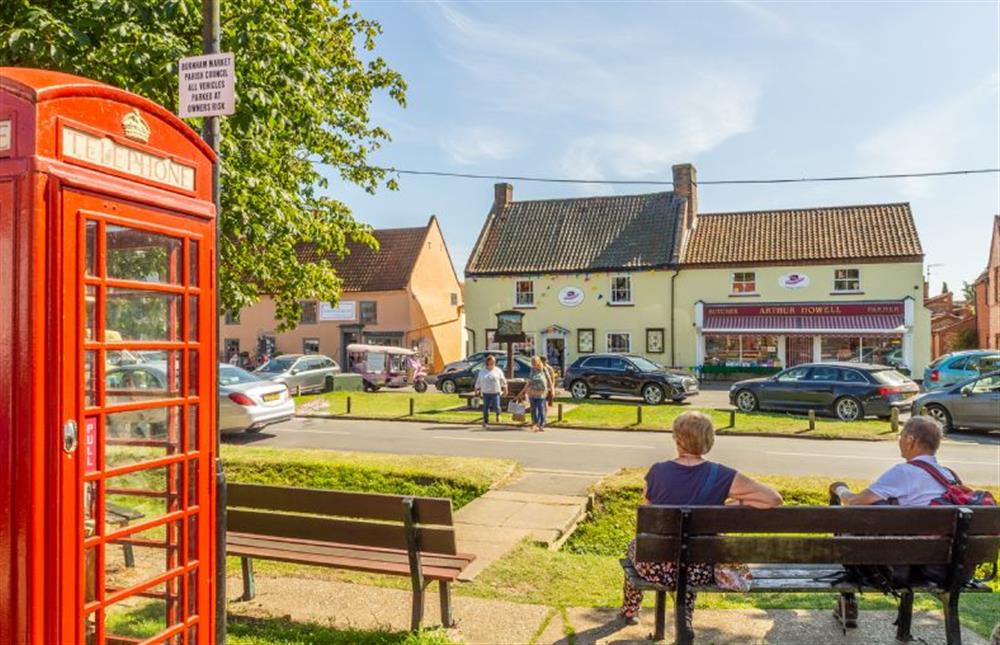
{"x": 158, "y": 377}
{"x": 193, "y": 263}
{"x": 131, "y": 314}
{"x": 192, "y": 427}
{"x": 140, "y": 496}
{"x": 90, "y": 306}
{"x": 90, "y": 255}
{"x": 89, "y": 378}
{"x": 135, "y": 618}
{"x": 133, "y": 254}
{"x": 141, "y": 435}
{"x": 193, "y": 318}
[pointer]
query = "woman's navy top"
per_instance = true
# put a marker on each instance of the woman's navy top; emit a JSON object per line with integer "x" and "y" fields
{"x": 706, "y": 484}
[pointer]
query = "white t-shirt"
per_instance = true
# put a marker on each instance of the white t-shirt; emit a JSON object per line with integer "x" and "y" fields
{"x": 491, "y": 381}
{"x": 910, "y": 484}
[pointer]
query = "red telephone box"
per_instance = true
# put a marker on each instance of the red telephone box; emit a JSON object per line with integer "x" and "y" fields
{"x": 107, "y": 365}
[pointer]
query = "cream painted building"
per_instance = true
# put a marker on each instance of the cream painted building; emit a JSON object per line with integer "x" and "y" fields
{"x": 726, "y": 294}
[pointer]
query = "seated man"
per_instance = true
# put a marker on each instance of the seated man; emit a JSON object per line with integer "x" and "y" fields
{"x": 904, "y": 484}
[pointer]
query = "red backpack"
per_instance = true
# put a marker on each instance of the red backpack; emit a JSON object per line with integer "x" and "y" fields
{"x": 955, "y": 493}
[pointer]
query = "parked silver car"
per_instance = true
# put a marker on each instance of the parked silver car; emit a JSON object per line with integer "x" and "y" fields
{"x": 300, "y": 372}
{"x": 973, "y": 403}
{"x": 245, "y": 401}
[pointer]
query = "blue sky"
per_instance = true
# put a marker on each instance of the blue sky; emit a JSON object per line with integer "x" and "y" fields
{"x": 742, "y": 89}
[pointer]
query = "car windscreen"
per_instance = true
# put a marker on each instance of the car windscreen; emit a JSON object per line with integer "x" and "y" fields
{"x": 645, "y": 365}
{"x": 890, "y": 377}
{"x": 277, "y": 365}
{"x": 229, "y": 375}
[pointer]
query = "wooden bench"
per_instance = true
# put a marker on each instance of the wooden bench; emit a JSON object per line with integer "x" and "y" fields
{"x": 390, "y": 534}
{"x": 826, "y": 538}
{"x": 120, "y": 516}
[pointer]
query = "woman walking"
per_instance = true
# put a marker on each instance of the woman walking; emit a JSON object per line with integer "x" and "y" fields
{"x": 490, "y": 385}
{"x": 538, "y": 388}
{"x": 690, "y": 479}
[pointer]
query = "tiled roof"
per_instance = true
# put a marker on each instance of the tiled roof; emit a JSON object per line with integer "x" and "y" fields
{"x": 584, "y": 234}
{"x": 386, "y": 269}
{"x": 809, "y": 234}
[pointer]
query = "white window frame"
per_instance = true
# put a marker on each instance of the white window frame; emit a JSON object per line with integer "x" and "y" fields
{"x": 607, "y": 341}
{"x": 517, "y": 295}
{"x": 732, "y": 283}
{"x": 611, "y": 289}
{"x": 835, "y": 280}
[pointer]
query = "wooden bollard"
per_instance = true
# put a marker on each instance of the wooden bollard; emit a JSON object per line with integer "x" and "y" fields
{"x": 894, "y": 420}
{"x": 638, "y": 415}
{"x": 732, "y": 418}
{"x": 559, "y": 413}
{"x": 812, "y": 419}
{"x": 348, "y": 404}
{"x": 411, "y": 406}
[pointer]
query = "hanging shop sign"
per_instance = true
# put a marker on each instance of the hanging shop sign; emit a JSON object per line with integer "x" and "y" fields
{"x": 794, "y": 281}
{"x": 571, "y": 296}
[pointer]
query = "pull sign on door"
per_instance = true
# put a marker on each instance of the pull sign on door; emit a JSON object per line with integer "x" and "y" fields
{"x": 207, "y": 85}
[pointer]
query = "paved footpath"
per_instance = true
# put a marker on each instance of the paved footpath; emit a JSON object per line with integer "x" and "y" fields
{"x": 542, "y": 505}
{"x": 975, "y": 457}
{"x": 497, "y": 622}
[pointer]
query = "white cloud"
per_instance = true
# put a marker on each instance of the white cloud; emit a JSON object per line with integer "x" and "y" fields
{"x": 614, "y": 101}
{"x": 933, "y": 137}
{"x": 473, "y": 144}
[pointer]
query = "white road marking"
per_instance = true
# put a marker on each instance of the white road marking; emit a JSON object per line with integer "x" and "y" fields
{"x": 300, "y": 431}
{"x": 888, "y": 459}
{"x": 550, "y": 443}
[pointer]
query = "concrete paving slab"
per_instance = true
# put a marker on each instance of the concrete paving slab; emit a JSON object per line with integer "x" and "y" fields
{"x": 593, "y": 626}
{"x": 344, "y": 605}
{"x": 553, "y": 483}
{"x": 494, "y": 534}
{"x": 546, "y": 516}
{"x": 538, "y": 498}
{"x": 487, "y": 511}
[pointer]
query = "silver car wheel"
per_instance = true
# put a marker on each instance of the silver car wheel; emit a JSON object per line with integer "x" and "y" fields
{"x": 746, "y": 401}
{"x": 579, "y": 390}
{"x": 940, "y": 415}
{"x": 448, "y": 386}
{"x": 848, "y": 409}
{"x": 652, "y": 394}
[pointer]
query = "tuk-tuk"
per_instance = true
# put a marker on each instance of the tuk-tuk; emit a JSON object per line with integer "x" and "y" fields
{"x": 386, "y": 366}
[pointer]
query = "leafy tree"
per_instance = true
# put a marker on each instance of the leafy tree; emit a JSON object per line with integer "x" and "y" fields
{"x": 966, "y": 339}
{"x": 306, "y": 78}
{"x": 944, "y": 288}
{"x": 969, "y": 293}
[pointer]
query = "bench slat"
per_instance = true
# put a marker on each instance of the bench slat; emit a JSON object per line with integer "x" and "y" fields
{"x": 809, "y": 550}
{"x": 362, "y": 533}
{"x": 428, "y": 510}
{"x": 240, "y": 540}
{"x": 871, "y": 520}
{"x": 340, "y": 562}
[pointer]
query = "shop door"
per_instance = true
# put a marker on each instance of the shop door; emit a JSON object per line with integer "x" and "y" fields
{"x": 798, "y": 350}
{"x": 138, "y": 325}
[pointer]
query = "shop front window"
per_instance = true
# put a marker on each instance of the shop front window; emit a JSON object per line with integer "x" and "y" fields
{"x": 742, "y": 351}
{"x": 619, "y": 342}
{"x": 879, "y": 350}
{"x": 527, "y": 348}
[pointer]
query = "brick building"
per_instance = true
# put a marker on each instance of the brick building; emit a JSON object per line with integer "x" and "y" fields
{"x": 987, "y": 288}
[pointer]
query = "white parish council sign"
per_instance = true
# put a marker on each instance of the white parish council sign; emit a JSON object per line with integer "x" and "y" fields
{"x": 207, "y": 85}
{"x": 346, "y": 310}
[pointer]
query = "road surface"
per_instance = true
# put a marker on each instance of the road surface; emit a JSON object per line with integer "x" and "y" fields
{"x": 976, "y": 459}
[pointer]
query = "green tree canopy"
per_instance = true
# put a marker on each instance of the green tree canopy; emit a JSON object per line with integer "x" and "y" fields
{"x": 306, "y": 79}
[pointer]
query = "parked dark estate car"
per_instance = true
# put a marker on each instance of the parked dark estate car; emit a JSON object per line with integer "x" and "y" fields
{"x": 850, "y": 391}
{"x": 465, "y": 380}
{"x": 623, "y": 374}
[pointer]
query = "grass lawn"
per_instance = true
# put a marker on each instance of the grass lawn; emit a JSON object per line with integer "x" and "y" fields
{"x": 593, "y": 413}
{"x": 460, "y": 478}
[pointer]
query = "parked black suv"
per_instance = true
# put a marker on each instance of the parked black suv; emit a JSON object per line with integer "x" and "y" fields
{"x": 624, "y": 374}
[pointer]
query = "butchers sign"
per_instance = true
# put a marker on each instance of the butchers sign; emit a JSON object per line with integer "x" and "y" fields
{"x": 570, "y": 296}
{"x": 794, "y": 281}
{"x": 207, "y": 85}
{"x": 807, "y": 309}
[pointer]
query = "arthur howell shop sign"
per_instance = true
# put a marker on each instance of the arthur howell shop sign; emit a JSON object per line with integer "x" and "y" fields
{"x": 807, "y": 309}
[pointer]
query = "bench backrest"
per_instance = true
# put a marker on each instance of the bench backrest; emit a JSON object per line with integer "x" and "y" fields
{"x": 818, "y": 535}
{"x": 361, "y": 519}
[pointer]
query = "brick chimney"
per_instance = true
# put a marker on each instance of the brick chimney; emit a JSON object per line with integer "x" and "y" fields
{"x": 686, "y": 186}
{"x": 503, "y": 194}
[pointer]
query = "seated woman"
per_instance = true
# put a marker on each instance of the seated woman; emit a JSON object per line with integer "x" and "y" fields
{"x": 690, "y": 480}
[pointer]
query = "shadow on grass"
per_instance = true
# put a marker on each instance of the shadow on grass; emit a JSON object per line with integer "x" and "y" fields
{"x": 257, "y": 631}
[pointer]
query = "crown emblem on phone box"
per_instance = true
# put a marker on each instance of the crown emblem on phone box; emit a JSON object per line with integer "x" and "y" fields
{"x": 136, "y": 127}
